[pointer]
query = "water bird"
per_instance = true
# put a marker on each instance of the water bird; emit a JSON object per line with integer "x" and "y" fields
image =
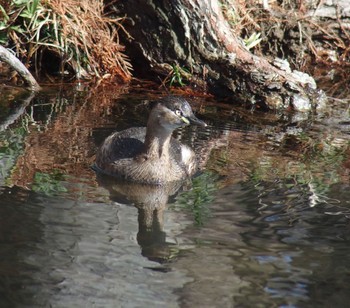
{"x": 150, "y": 155}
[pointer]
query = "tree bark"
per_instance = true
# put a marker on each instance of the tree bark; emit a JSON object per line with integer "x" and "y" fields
{"x": 195, "y": 35}
{"x": 7, "y": 57}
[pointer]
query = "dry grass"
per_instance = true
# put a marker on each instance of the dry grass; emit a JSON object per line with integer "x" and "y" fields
{"x": 91, "y": 37}
{"x": 77, "y": 32}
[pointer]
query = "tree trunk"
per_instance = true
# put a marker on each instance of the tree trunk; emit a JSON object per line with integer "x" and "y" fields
{"x": 167, "y": 36}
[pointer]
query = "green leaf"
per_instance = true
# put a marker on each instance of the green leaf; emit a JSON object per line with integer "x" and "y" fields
{"x": 26, "y": 14}
{"x": 34, "y": 6}
{"x": 253, "y": 40}
{"x": 20, "y": 3}
{"x": 17, "y": 29}
{"x": 5, "y": 16}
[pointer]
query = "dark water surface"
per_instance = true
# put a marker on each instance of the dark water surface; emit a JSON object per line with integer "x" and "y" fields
{"x": 265, "y": 224}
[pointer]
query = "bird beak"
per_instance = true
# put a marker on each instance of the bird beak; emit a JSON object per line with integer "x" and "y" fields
{"x": 196, "y": 121}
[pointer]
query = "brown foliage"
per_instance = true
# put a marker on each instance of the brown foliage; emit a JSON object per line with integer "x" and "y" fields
{"x": 84, "y": 25}
{"x": 56, "y": 35}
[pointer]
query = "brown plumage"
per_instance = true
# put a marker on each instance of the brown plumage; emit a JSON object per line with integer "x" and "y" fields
{"x": 149, "y": 154}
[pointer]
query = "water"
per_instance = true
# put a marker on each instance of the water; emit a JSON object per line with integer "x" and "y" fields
{"x": 265, "y": 224}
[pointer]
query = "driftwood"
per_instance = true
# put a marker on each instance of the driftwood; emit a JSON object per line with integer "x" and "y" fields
{"x": 7, "y": 57}
{"x": 195, "y": 35}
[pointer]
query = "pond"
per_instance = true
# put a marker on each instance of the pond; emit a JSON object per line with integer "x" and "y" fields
{"x": 265, "y": 223}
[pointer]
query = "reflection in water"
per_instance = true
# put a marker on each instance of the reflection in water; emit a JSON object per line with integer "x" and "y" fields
{"x": 272, "y": 230}
{"x": 150, "y": 200}
{"x": 63, "y": 253}
{"x": 283, "y": 254}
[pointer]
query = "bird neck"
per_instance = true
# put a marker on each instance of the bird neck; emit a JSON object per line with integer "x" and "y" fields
{"x": 157, "y": 140}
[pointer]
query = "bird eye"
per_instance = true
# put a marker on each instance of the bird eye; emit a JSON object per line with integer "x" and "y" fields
{"x": 178, "y": 112}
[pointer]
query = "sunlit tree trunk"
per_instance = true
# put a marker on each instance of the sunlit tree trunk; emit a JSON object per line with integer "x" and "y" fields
{"x": 172, "y": 36}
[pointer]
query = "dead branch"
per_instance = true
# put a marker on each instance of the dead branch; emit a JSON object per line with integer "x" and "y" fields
{"x": 7, "y": 57}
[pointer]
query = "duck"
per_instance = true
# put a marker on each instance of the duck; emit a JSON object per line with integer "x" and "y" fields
{"x": 150, "y": 155}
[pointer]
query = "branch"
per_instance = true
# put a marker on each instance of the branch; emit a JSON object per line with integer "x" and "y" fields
{"x": 7, "y": 57}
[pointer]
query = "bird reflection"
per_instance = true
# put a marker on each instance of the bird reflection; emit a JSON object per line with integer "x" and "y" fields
{"x": 150, "y": 200}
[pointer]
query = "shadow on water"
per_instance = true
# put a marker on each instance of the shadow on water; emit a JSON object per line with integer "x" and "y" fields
{"x": 265, "y": 223}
